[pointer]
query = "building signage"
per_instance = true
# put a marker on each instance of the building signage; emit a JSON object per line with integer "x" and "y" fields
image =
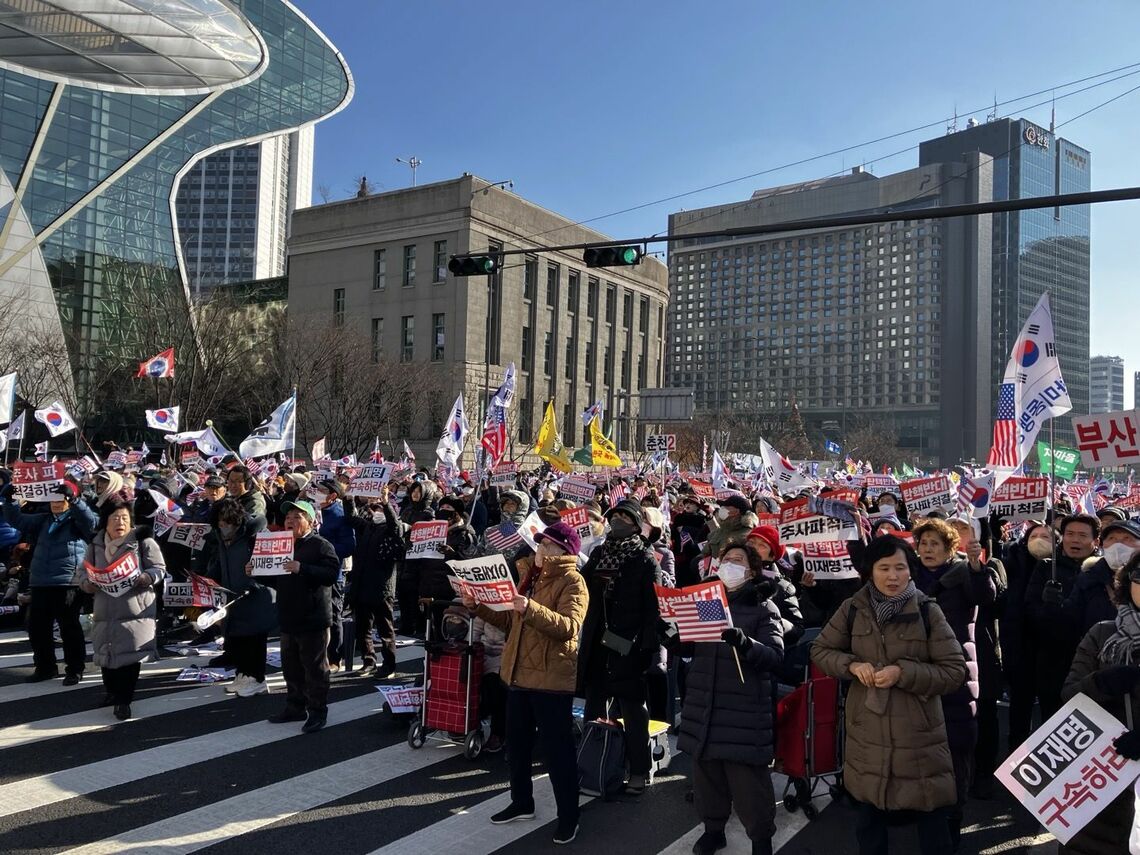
{"x": 1035, "y": 136}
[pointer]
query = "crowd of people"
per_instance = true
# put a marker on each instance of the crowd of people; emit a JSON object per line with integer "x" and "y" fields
{"x": 948, "y": 615}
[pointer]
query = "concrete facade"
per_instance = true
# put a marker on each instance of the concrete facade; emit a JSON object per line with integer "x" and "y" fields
{"x": 890, "y": 321}
{"x": 378, "y": 265}
{"x": 1106, "y": 384}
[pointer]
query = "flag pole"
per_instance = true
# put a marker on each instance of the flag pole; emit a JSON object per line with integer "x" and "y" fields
{"x": 736, "y": 656}
{"x": 1052, "y": 501}
{"x": 293, "y": 444}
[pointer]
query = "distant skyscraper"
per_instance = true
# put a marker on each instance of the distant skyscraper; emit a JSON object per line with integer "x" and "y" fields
{"x": 1136, "y": 389}
{"x": 234, "y": 209}
{"x": 1106, "y": 384}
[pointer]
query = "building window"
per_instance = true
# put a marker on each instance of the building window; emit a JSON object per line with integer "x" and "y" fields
{"x": 526, "y": 348}
{"x": 625, "y": 369}
{"x": 407, "y": 337}
{"x": 379, "y": 269}
{"x": 570, "y": 362}
{"x": 552, "y": 273}
{"x": 530, "y": 278}
{"x": 524, "y": 421}
{"x": 437, "y": 338}
{"x": 643, "y": 316}
{"x": 607, "y": 368}
{"x": 627, "y": 309}
{"x": 592, "y": 299}
{"x": 548, "y": 354}
{"x": 572, "y": 292}
{"x": 409, "y": 265}
{"x": 440, "y": 261}
{"x": 589, "y": 362}
{"x": 377, "y": 339}
{"x": 611, "y": 303}
{"x": 338, "y": 307}
{"x": 642, "y": 379}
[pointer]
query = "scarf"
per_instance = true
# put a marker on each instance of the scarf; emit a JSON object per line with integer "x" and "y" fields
{"x": 887, "y": 607}
{"x": 114, "y": 485}
{"x": 1123, "y": 646}
{"x": 616, "y": 552}
{"x": 111, "y": 545}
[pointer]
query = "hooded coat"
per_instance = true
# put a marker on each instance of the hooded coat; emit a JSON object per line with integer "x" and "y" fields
{"x": 724, "y": 718}
{"x": 379, "y": 546}
{"x": 123, "y": 629}
{"x": 731, "y": 530}
{"x": 255, "y": 613}
{"x": 897, "y": 759}
{"x": 1090, "y": 601}
{"x": 60, "y": 542}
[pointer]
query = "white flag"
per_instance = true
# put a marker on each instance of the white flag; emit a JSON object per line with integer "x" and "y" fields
{"x": 1031, "y": 391}
{"x": 454, "y": 434}
{"x": 719, "y": 472}
{"x": 7, "y": 397}
{"x": 163, "y": 419}
{"x": 782, "y": 475}
{"x": 208, "y": 442}
{"x": 408, "y": 452}
{"x": 318, "y": 450}
{"x": 56, "y": 418}
{"x": 16, "y": 429}
{"x": 274, "y": 434}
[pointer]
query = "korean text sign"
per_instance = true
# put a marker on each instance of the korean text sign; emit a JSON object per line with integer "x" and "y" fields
{"x": 369, "y": 483}
{"x": 485, "y": 580}
{"x": 923, "y": 495}
{"x": 1109, "y": 439}
{"x": 427, "y": 539}
{"x": 798, "y": 524}
{"x": 117, "y": 578}
{"x": 270, "y": 552}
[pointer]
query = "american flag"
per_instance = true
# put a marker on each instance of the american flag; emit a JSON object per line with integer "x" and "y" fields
{"x": 376, "y": 456}
{"x": 503, "y": 536}
{"x": 1004, "y": 450}
{"x": 618, "y": 492}
{"x": 700, "y": 611}
{"x": 495, "y": 435}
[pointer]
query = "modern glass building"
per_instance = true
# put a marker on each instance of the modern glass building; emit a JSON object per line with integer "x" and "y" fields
{"x": 104, "y": 106}
{"x": 1034, "y": 251}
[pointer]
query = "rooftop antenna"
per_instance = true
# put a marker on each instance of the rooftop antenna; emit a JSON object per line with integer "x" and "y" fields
{"x": 992, "y": 116}
{"x": 952, "y": 128}
{"x": 1053, "y": 115}
{"x": 413, "y": 162}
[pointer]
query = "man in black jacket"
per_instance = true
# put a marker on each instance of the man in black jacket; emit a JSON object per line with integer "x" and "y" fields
{"x": 304, "y": 612}
{"x": 379, "y": 546}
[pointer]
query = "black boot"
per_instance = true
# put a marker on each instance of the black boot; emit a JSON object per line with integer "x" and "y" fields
{"x": 709, "y": 842}
{"x": 762, "y": 847}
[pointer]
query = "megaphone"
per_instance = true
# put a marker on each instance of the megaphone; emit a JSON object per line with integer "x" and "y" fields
{"x": 208, "y": 618}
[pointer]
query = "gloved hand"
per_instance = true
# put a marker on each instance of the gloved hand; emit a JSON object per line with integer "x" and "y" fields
{"x": 1128, "y": 744}
{"x": 7, "y": 490}
{"x": 735, "y": 636}
{"x": 1051, "y": 593}
{"x": 1117, "y": 680}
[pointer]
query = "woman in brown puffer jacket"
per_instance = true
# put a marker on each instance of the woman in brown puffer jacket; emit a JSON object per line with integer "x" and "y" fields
{"x": 902, "y": 655}
{"x": 539, "y": 668}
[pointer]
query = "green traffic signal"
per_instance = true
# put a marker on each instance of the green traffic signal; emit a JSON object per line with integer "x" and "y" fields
{"x": 474, "y": 265}
{"x": 612, "y": 256}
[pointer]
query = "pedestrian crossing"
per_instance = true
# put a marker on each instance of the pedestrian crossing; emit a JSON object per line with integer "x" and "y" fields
{"x": 197, "y": 770}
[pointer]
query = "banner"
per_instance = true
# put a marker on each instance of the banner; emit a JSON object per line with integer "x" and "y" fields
{"x": 925, "y": 494}
{"x": 579, "y": 490}
{"x": 1064, "y": 460}
{"x": 1020, "y": 499}
{"x": 1067, "y": 771}
{"x": 603, "y": 451}
{"x": 39, "y": 482}
{"x": 702, "y": 490}
{"x": 504, "y": 475}
{"x": 699, "y": 611}
{"x": 578, "y": 519}
{"x": 799, "y": 524}
{"x": 276, "y": 434}
{"x": 403, "y": 699}
{"x": 1108, "y": 439}
{"x": 486, "y": 580}
{"x": 198, "y": 593}
{"x": 117, "y": 578}
{"x": 428, "y": 539}
{"x": 271, "y": 550}
{"x": 191, "y": 535}
{"x": 829, "y": 561}
{"x": 370, "y": 482}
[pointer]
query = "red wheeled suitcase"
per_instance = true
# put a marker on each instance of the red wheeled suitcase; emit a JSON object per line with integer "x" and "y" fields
{"x": 451, "y": 699}
{"x": 808, "y": 739}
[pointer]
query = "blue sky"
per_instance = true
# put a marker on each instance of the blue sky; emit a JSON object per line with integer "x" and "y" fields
{"x": 592, "y": 107}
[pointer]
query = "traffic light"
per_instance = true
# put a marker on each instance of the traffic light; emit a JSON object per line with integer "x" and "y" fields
{"x": 475, "y": 265}
{"x": 612, "y": 256}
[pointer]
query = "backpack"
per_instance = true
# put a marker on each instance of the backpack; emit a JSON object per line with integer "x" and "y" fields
{"x": 923, "y": 612}
{"x": 601, "y": 760}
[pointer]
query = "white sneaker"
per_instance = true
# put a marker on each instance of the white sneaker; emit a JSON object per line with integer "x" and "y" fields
{"x": 252, "y": 687}
{"x": 236, "y": 685}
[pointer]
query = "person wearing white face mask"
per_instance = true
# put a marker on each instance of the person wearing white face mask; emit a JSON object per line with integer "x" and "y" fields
{"x": 1090, "y": 601}
{"x": 734, "y": 519}
{"x": 372, "y": 595}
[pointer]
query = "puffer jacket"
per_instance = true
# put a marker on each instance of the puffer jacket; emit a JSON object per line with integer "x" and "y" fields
{"x": 960, "y": 592}
{"x": 379, "y": 547}
{"x": 59, "y": 542}
{"x": 254, "y": 505}
{"x": 1090, "y": 601}
{"x": 1013, "y": 623}
{"x": 414, "y": 512}
{"x": 255, "y": 612}
{"x": 724, "y": 718}
{"x": 898, "y": 759}
{"x": 541, "y": 650}
{"x": 1108, "y": 830}
{"x": 507, "y": 525}
{"x": 493, "y": 639}
{"x": 1051, "y": 640}
{"x": 732, "y": 530}
{"x": 123, "y": 629}
{"x": 337, "y": 529}
{"x": 304, "y": 599}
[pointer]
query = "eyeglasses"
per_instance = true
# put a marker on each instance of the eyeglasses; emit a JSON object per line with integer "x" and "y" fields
{"x": 1134, "y": 575}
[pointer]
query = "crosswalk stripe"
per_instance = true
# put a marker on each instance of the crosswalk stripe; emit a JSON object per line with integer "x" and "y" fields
{"x": 197, "y": 829}
{"x": 471, "y": 832}
{"x": 42, "y": 790}
{"x": 27, "y": 691}
{"x": 19, "y": 660}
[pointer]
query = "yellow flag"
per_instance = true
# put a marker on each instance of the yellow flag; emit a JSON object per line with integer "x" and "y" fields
{"x": 601, "y": 448}
{"x": 548, "y": 445}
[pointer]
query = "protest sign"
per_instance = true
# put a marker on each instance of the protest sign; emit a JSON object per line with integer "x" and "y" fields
{"x": 798, "y": 524}
{"x": 876, "y": 485}
{"x": 829, "y": 560}
{"x": 39, "y": 482}
{"x": 116, "y": 578}
{"x": 402, "y": 699}
{"x": 1108, "y": 439}
{"x": 699, "y": 611}
{"x": 199, "y": 592}
{"x": 164, "y": 521}
{"x": 578, "y": 519}
{"x": 923, "y": 495}
{"x": 271, "y": 550}
{"x": 116, "y": 460}
{"x": 485, "y": 580}
{"x": 1020, "y": 499}
{"x": 660, "y": 442}
{"x": 370, "y": 482}
{"x": 577, "y": 489}
{"x": 427, "y": 539}
{"x": 531, "y": 526}
{"x": 768, "y": 519}
{"x": 1067, "y": 771}
{"x": 702, "y": 490}
{"x": 505, "y": 475}
{"x": 191, "y": 535}
{"x": 1063, "y": 460}
{"x": 203, "y": 675}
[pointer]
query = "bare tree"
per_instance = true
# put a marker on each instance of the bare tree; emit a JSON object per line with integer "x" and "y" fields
{"x": 875, "y": 441}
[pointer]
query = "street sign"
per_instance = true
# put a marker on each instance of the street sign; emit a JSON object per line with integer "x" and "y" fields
{"x": 657, "y": 442}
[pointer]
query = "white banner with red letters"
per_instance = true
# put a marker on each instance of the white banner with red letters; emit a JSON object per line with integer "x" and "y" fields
{"x": 829, "y": 561}
{"x": 427, "y": 539}
{"x": 878, "y": 484}
{"x": 1108, "y": 439}
{"x": 505, "y": 476}
{"x": 1020, "y": 499}
{"x": 271, "y": 550}
{"x": 1067, "y": 771}
{"x": 923, "y": 495}
{"x": 578, "y": 489}
{"x": 116, "y": 578}
{"x": 39, "y": 482}
{"x": 402, "y": 699}
{"x": 486, "y": 580}
{"x": 800, "y": 525}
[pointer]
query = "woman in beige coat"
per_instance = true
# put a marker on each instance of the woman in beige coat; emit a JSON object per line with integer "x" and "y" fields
{"x": 902, "y": 655}
{"x": 539, "y": 669}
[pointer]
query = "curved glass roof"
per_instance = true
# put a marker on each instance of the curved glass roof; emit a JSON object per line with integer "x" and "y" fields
{"x": 161, "y": 46}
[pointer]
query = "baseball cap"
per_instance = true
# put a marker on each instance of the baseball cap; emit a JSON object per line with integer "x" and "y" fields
{"x": 304, "y": 507}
